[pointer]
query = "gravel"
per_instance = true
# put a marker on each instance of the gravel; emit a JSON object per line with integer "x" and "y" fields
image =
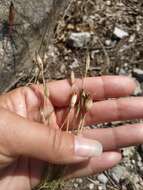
{"x": 78, "y": 40}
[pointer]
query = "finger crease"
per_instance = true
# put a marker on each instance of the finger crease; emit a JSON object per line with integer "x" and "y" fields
{"x": 117, "y": 109}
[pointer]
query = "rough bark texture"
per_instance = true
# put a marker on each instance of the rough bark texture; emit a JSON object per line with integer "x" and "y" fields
{"x": 33, "y": 18}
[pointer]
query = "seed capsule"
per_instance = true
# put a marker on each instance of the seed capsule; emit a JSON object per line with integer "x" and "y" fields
{"x": 39, "y": 61}
{"x": 72, "y": 78}
{"x": 73, "y": 100}
{"x": 88, "y": 104}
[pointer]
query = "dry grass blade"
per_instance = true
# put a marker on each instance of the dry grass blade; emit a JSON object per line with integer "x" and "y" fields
{"x": 72, "y": 77}
{"x": 72, "y": 105}
{"x": 87, "y": 66}
{"x": 84, "y": 105}
{"x": 40, "y": 64}
{"x": 88, "y": 61}
{"x": 45, "y": 111}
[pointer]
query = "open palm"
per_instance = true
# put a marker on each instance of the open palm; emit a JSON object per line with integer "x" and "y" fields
{"x": 26, "y": 144}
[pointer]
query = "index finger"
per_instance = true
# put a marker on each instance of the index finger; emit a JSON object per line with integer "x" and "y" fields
{"x": 99, "y": 88}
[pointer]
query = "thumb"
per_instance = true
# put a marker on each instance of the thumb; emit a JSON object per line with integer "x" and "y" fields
{"x": 19, "y": 136}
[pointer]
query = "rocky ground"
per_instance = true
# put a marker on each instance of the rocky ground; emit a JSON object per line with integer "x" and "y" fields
{"x": 111, "y": 31}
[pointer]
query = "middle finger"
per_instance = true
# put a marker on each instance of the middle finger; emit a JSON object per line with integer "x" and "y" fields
{"x": 107, "y": 111}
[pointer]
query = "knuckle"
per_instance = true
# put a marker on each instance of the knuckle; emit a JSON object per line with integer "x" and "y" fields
{"x": 138, "y": 133}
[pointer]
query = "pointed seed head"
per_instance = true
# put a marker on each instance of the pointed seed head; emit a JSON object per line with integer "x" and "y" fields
{"x": 39, "y": 61}
{"x": 73, "y": 100}
{"x": 72, "y": 78}
{"x": 88, "y": 104}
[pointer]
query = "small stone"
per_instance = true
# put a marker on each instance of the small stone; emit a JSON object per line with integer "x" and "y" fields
{"x": 138, "y": 74}
{"x": 139, "y": 164}
{"x": 123, "y": 72}
{"x": 108, "y": 42}
{"x": 75, "y": 185}
{"x": 78, "y": 40}
{"x": 91, "y": 186}
{"x": 63, "y": 68}
{"x": 139, "y": 71}
{"x": 79, "y": 180}
{"x": 100, "y": 188}
{"x": 135, "y": 179}
{"x": 118, "y": 173}
{"x": 102, "y": 178}
{"x": 120, "y": 33}
{"x": 141, "y": 183}
{"x": 108, "y": 3}
{"x": 128, "y": 152}
{"x": 66, "y": 58}
{"x": 133, "y": 161}
{"x": 132, "y": 38}
{"x": 74, "y": 64}
{"x": 138, "y": 90}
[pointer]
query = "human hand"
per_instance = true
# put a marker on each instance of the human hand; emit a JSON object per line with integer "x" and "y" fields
{"x": 25, "y": 144}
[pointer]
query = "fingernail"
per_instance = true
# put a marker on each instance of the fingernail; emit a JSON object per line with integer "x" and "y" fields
{"x": 87, "y": 148}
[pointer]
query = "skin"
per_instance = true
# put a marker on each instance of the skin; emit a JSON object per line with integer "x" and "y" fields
{"x": 26, "y": 145}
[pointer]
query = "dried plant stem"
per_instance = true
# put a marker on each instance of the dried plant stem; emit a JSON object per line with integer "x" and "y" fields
{"x": 68, "y": 124}
{"x": 87, "y": 66}
{"x": 71, "y": 107}
{"x": 84, "y": 105}
{"x": 88, "y": 62}
{"x": 80, "y": 110}
{"x": 80, "y": 102}
{"x": 46, "y": 115}
{"x": 45, "y": 112}
{"x": 81, "y": 124}
{"x": 65, "y": 119}
{"x": 107, "y": 64}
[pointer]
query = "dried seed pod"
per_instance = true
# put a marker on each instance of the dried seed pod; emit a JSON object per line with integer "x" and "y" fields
{"x": 73, "y": 100}
{"x": 88, "y": 103}
{"x": 72, "y": 78}
{"x": 45, "y": 58}
{"x": 39, "y": 61}
{"x": 45, "y": 114}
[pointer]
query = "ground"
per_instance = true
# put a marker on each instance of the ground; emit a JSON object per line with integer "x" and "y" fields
{"x": 111, "y": 31}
